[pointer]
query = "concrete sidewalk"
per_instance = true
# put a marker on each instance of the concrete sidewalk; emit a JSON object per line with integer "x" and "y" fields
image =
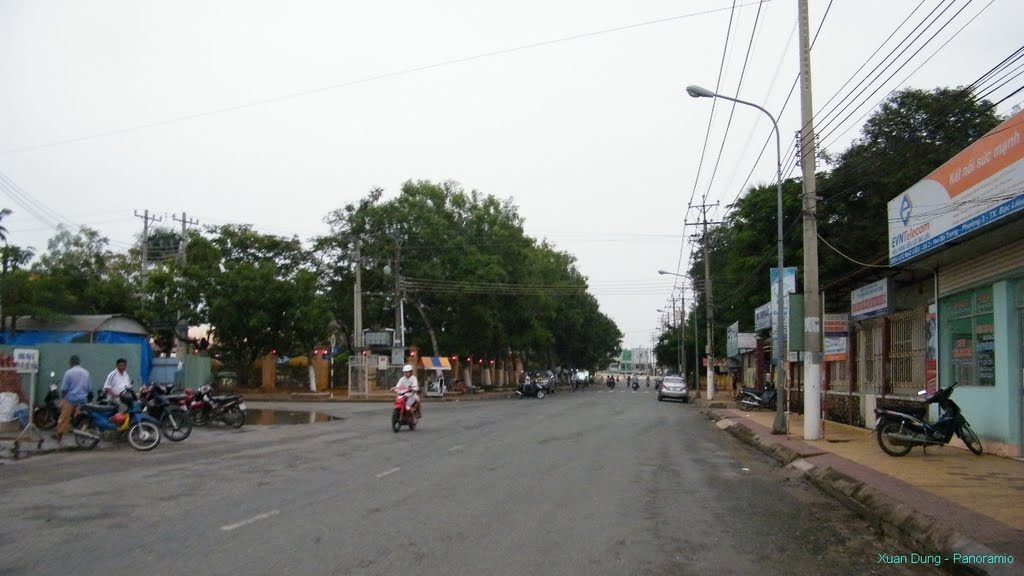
{"x": 948, "y": 501}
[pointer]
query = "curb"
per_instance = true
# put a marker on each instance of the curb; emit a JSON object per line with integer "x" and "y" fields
{"x": 913, "y": 528}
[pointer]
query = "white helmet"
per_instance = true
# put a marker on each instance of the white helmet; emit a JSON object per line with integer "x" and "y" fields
{"x": 407, "y": 368}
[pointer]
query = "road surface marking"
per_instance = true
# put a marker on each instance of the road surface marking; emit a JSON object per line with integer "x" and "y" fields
{"x": 248, "y": 521}
{"x": 456, "y": 447}
{"x": 385, "y": 473}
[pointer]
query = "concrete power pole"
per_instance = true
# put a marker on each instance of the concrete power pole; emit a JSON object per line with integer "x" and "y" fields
{"x": 181, "y": 329}
{"x": 146, "y": 219}
{"x": 812, "y": 302}
{"x": 709, "y": 346}
{"x": 357, "y": 299}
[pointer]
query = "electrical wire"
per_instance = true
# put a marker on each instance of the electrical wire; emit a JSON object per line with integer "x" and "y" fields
{"x": 372, "y": 78}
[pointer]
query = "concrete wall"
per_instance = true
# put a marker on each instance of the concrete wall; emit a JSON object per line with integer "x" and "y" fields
{"x": 98, "y": 359}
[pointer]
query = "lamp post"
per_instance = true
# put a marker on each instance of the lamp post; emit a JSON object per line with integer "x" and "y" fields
{"x": 779, "y": 426}
{"x": 682, "y": 308}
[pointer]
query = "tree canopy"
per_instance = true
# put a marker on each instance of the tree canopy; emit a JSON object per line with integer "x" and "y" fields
{"x": 907, "y": 137}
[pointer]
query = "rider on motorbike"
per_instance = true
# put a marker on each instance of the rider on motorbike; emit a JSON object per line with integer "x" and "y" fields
{"x": 410, "y": 387}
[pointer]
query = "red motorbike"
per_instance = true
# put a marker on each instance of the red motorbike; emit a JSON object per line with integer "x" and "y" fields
{"x": 401, "y": 416}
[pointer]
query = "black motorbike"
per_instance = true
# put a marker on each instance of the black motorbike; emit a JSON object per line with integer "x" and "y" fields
{"x": 899, "y": 431}
{"x": 168, "y": 410}
{"x": 750, "y": 398}
{"x": 205, "y": 407}
{"x": 610, "y": 383}
{"x": 531, "y": 388}
{"x": 45, "y": 415}
{"x": 636, "y": 384}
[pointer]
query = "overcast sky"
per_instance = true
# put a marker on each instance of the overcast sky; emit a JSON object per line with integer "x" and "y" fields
{"x": 275, "y": 113}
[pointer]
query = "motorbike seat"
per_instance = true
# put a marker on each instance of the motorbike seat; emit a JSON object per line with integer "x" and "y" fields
{"x": 99, "y": 407}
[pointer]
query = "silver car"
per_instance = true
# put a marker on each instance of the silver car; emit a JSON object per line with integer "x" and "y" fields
{"x": 674, "y": 388}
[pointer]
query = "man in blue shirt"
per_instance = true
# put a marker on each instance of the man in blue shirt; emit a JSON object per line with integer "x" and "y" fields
{"x": 74, "y": 391}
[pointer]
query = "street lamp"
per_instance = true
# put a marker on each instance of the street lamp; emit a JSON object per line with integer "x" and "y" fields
{"x": 682, "y": 313}
{"x": 780, "y": 377}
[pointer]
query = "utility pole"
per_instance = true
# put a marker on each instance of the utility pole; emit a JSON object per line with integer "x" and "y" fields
{"x": 682, "y": 315}
{"x": 357, "y": 298}
{"x": 146, "y": 219}
{"x": 399, "y": 303}
{"x": 675, "y": 318}
{"x": 709, "y": 346}
{"x": 812, "y": 302}
{"x": 181, "y": 328}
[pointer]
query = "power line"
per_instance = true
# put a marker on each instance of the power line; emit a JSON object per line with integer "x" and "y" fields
{"x": 372, "y": 78}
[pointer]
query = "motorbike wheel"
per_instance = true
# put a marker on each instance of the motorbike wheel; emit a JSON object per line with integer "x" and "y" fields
{"x": 144, "y": 436}
{"x": 198, "y": 416}
{"x": 745, "y": 406}
{"x": 540, "y": 394}
{"x": 44, "y": 419}
{"x": 396, "y": 421}
{"x": 175, "y": 425}
{"x": 970, "y": 438}
{"x": 887, "y": 444}
{"x": 234, "y": 417}
{"x": 83, "y": 424}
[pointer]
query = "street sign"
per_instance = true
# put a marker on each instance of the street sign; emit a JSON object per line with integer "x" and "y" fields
{"x": 26, "y": 360}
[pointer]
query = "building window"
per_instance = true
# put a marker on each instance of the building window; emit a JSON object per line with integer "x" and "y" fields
{"x": 907, "y": 350}
{"x": 970, "y": 337}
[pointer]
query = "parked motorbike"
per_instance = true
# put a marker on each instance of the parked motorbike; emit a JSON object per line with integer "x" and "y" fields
{"x": 165, "y": 408}
{"x": 402, "y": 416}
{"x": 45, "y": 415}
{"x": 95, "y": 422}
{"x": 899, "y": 431}
{"x": 750, "y": 398}
{"x": 531, "y": 388}
{"x": 206, "y": 407}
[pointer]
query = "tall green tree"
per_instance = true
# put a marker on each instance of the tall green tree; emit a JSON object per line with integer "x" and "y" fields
{"x": 911, "y": 134}
{"x": 475, "y": 280}
{"x": 79, "y": 274}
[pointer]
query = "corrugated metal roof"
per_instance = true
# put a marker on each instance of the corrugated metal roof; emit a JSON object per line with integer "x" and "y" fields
{"x": 84, "y": 323}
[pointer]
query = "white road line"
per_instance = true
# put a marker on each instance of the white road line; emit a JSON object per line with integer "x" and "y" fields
{"x": 248, "y": 521}
{"x": 385, "y": 473}
{"x": 456, "y": 447}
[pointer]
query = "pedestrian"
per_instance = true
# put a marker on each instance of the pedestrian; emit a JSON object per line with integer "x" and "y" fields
{"x": 75, "y": 388}
{"x": 117, "y": 382}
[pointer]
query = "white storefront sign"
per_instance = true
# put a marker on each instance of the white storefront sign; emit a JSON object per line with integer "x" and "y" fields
{"x": 870, "y": 301}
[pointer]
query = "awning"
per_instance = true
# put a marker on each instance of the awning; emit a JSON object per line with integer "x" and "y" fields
{"x": 435, "y": 363}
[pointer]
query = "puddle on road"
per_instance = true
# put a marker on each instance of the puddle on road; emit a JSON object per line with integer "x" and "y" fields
{"x": 258, "y": 417}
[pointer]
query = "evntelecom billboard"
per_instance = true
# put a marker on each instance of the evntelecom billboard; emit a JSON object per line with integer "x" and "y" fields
{"x": 982, "y": 184}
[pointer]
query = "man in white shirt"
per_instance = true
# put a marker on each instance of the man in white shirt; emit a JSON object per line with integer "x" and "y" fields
{"x": 117, "y": 381}
{"x": 409, "y": 383}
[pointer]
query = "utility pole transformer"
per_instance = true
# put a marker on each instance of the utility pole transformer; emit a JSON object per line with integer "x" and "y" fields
{"x": 146, "y": 219}
{"x": 812, "y": 301}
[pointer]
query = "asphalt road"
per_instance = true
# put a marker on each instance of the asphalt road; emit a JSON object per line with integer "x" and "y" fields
{"x": 591, "y": 482}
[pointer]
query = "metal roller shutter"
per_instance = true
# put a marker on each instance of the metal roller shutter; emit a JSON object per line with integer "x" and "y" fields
{"x": 985, "y": 267}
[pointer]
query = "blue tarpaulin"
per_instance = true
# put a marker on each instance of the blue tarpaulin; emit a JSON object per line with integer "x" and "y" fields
{"x": 43, "y": 337}
{"x": 56, "y": 337}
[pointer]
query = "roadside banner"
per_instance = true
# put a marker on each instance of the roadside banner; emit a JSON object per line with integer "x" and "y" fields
{"x": 837, "y": 330}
